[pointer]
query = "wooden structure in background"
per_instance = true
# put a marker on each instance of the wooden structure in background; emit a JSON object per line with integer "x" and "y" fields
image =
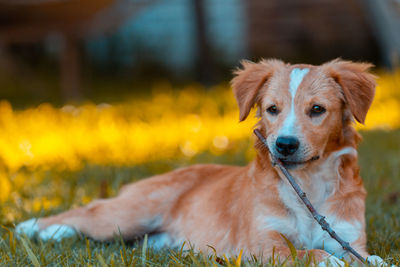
{"x": 298, "y": 30}
{"x": 31, "y": 21}
{"x": 386, "y": 15}
{"x": 294, "y": 30}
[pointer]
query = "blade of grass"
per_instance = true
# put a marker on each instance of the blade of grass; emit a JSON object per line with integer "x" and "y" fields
{"x": 101, "y": 260}
{"x": 239, "y": 259}
{"x": 228, "y": 263}
{"x": 144, "y": 249}
{"x": 88, "y": 250}
{"x": 293, "y": 250}
{"x": 30, "y": 253}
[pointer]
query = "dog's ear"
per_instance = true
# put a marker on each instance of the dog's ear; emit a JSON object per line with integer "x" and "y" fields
{"x": 358, "y": 85}
{"x": 248, "y": 82}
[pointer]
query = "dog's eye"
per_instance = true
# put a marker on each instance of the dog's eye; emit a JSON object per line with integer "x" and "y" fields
{"x": 317, "y": 110}
{"x": 272, "y": 110}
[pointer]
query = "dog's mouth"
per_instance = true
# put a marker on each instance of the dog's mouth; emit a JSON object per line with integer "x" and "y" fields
{"x": 292, "y": 164}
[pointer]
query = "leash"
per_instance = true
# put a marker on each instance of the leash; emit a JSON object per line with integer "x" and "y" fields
{"x": 318, "y": 217}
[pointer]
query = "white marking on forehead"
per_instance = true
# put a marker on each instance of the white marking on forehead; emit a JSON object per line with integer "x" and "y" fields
{"x": 296, "y": 77}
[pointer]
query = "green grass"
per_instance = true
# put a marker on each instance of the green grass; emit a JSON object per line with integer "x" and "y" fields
{"x": 380, "y": 168}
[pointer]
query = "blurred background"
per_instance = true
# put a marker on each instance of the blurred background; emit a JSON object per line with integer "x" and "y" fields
{"x": 72, "y": 50}
{"x": 97, "y": 93}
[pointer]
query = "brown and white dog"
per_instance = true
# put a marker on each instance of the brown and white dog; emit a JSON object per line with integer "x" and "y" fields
{"x": 306, "y": 114}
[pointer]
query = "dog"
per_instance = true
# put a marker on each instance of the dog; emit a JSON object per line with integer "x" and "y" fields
{"x": 307, "y": 114}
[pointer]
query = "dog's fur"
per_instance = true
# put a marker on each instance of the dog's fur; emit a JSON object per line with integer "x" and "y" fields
{"x": 232, "y": 208}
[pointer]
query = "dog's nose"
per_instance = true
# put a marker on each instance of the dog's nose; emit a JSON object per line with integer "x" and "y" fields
{"x": 287, "y": 145}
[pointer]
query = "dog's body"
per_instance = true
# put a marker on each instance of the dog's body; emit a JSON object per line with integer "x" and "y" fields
{"x": 306, "y": 113}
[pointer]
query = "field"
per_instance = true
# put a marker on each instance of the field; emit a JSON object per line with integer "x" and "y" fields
{"x": 55, "y": 158}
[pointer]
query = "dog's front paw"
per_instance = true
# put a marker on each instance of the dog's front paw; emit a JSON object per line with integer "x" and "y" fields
{"x": 378, "y": 261}
{"x": 57, "y": 232}
{"x": 29, "y": 228}
{"x": 332, "y": 261}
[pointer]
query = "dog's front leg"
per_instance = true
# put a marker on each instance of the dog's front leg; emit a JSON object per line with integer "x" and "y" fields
{"x": 140, "y": 208}
{"x": 278, "y": 248}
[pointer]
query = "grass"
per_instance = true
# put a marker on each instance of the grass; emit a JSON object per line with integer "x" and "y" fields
{"x": 379, "y": 159}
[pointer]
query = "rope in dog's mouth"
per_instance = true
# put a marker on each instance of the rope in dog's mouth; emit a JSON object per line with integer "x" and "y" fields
{"x": 318, "y": 217}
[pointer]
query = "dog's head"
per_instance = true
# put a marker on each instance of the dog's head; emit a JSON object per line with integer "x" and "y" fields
{"x": 303, "y": 109}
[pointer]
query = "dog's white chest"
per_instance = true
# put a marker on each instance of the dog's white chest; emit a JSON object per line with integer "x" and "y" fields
{"x": 300, "y": 227}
